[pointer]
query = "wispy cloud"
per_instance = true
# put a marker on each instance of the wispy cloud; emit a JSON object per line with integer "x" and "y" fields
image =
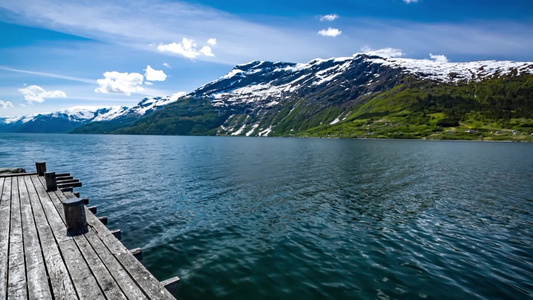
{"x": 154, "y": 75}
{"x": 331, "y": 17}
{"x": 384, "y": 52}
{"x": 212, "y": 41}
{"x": 113, "y": 22}
{"x": 331, "y": 32}
{"x": 52, "y": 75}
{"x": 167, "y": 65}
{"x": 116, "y": 23}
{"x": 120, "y": 83}
{"x": 410, "y": 1}
{"x": 439, "y": 58}
{"x": 36, "y": 94}
{"x": 6, "y": 104}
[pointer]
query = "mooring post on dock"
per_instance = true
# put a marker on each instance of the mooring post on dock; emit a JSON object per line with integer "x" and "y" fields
{"x": 92, "y": 209}
{"x": 41, "y": 168}
{"x": 103, "y": 220}
{"x": 75, "y": 218}
{"x": 172, "y": 285}
{"x": 51, "y": 183}
{"x": 117, "y": 233}
{"x": 138, "y": 253}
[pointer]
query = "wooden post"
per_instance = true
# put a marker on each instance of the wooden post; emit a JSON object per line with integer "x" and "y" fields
{"x": 75, "y": 216}
{"x": 172, "y": 285}
{"x": 41, "y": 168}
{"x": 138, "y": 253}
{"x": 117, "y": 233}
{"x": 103, "y": 220}
{"x": 51, "y": 183}
{"x": 92, "y": 209}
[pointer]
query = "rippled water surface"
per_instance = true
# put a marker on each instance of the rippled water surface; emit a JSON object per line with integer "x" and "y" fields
{"x": 269, "y": 218}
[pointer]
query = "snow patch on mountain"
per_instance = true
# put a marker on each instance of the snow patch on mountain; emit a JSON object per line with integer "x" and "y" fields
{"x": 455, "y": 72}
{"x": 268, "y": 83}
{"x": 74, "y": 114}
{"x": 86, "y": 114}
{"x": 150, "y": 104}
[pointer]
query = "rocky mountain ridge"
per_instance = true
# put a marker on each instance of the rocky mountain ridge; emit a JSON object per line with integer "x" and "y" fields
{"x": 336, "y": 96}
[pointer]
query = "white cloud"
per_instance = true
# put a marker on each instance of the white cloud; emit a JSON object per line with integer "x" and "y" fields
{"x": 384, "y": 52}
{"x": 206, "y": 50}
{"x": 410, "y": 1}
{"x": 212, "y": 41}
{"x": 35, "y": 93}
{"x": 148, "y": 83}
{"x": 120, "y": 83}
{"x": 439, "y": 58}
{"x": 187, "y": 48}
{"x": 6, "y": 104}
{"x": 167, "y": 65}
{"x": 332, "y": 32}
{"x": 121, "y": 23}
{"x": 331, "y": 17}
{"x": 154, "y": 75}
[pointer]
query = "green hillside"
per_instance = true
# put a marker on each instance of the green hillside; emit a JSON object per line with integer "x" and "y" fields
{"x": 495, "y": 109}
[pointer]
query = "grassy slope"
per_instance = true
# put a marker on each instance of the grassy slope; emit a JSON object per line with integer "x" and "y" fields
{"x": 185, "y": 117}
{"x": 490, "y": 110}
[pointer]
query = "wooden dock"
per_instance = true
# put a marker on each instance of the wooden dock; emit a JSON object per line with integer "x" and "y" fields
{"x": 39, "y": 260}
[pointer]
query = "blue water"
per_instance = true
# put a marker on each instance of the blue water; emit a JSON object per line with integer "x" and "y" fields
{"x": 279, "y": 218}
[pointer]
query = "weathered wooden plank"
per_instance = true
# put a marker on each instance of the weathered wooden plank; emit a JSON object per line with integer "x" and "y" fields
{"x": 148, "y": 283}
{"x": 62, "y": 174}
{"x": 38, "y": 287}
{"x": 60, "y": 281}
{"x": 124, "y": 280}
{"x": 101, "y": 273}
{"x": 62, "y": 181}
{"x": 84, "y": 281}
{"x": 16, "y": 174}
{"x": 72, "y": 184}
{"x": 17, "y": 285}
{"x": 2, "y": 180}
{"x": 5, "y": 217}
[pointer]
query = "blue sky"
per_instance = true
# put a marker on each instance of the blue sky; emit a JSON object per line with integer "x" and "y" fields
{"x": 57, "y": 54}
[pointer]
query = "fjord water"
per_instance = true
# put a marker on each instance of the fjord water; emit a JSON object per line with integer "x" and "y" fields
{"x": 280, "y": 218}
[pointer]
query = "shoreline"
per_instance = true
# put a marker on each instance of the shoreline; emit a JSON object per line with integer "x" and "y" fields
{"x": 298, "y": 137}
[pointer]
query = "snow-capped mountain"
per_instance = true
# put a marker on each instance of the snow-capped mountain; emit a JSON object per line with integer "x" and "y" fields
{"x": 149, "y": 105}
{"x": 65, "y": 120}
{"x": 270, "y": 82}
{"x": 264, "y": 98}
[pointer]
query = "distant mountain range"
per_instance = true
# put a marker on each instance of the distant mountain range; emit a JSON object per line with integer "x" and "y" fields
{"x": 359, "y": 96}
{"x": 69, "y": 119}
